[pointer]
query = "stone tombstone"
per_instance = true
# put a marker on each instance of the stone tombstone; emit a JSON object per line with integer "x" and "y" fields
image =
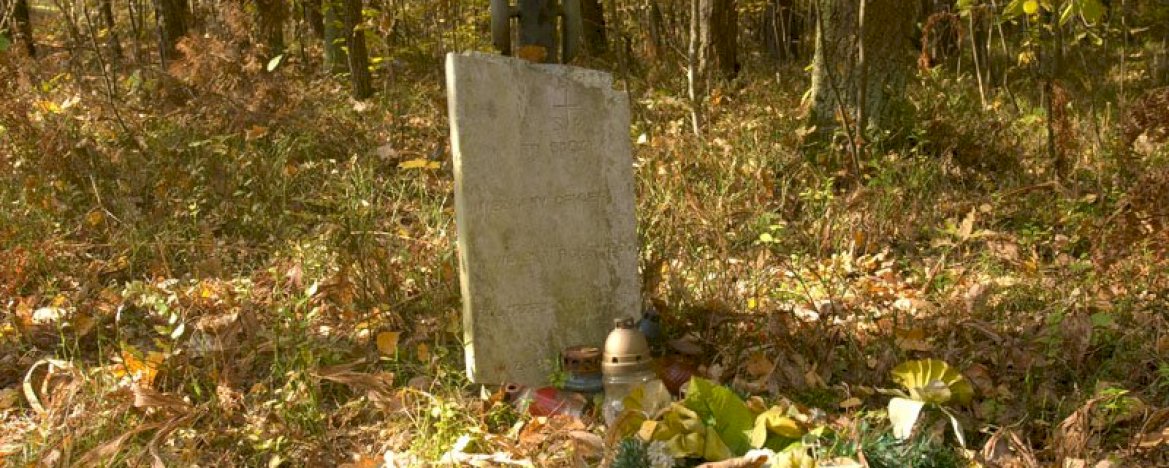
{"x": 544, "y": 205}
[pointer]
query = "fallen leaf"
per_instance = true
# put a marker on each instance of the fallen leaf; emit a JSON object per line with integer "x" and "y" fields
{"x": 850, "y": 403}
{"x": 532, "y": 53}
{"x": 387, "y": 342}
{"x": 758, "y": 365}
{"x": 363, "y": 461}
{"x": 423, "y": 352}
{"x": 912, "y": 340}
{"x": 419, "y": 163}
{"x": 8, "y": 398}
{"x": 95, "y": 218}
{"x": 256, "y": 132}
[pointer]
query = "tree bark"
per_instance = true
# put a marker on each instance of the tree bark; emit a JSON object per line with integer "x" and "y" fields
{"x": 781, "y": 29}
{"x": 837, "y": 80}
{"x": 694, "y": 72}
{"x": 173, "y": 18}
{"x": 314, "y": 16}
{"x": 270, "y": 16}
{"x": 358, "y": 55}
{"x": 17, "y": 24}
{"x": 112, "y": 40}
{"x": 336, "y": 60}
{"x": 718, "y": 38}
{"x": 593, "y": 17}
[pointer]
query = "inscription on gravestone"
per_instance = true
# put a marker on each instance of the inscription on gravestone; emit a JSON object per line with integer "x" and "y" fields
{"x": 544, "y": 206}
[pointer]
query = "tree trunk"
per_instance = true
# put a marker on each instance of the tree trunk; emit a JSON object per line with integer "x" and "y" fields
{"x": 781, "y": 30}
{"x": 358, "y": 55}
{"x": 836, "y": 78}
{"x": 593, "y": 17}
{"x": 657, "y": 32}
{"x": 694, "y": 72}
{"x": 270, "y": 16}
{"x": 314, "y": 16}
{"x": 16, "y": 24}
{"x": 173, "y": 18}
{"x": 107, "y": 18}
{"x": 336, "y": 60}
{"x": 718, "y": 38}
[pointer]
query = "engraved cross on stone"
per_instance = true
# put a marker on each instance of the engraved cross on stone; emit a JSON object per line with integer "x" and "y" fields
{"x": 563, "y": 106}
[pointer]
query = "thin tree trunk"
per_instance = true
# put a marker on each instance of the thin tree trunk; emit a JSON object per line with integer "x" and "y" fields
{"x": 718, "y": 38}
{"x": 694, "y": 69}
{"x": 358, "y": 55}
{"x": 593, "y": 16}
{"x": 314, "y": 16}
{"x": 112, "y": 40}
{"x": 270, "y": 15}
{"x": 335, "y": 58}
{"x": 18, "y": 24}
{"x": 173, "y": 23}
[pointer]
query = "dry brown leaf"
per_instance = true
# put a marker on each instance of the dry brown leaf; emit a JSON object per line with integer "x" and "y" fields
{"x": 912, "y": 340}
{"x": 758, "y": 365}
{"x": 363, "y": 461}
{"x": 8, "y": 398}
{"x": 145, "y": 397}
{"x": 387, "y": 342}
{"x": 1077, "y": 336}
{"x": 850, "y": 403}
{"x": 1005, "y": 449}
{"x": 381, "y": 382}
{"x": 532, "y": 53}
{"x": 587, "y": 444}
{"x": 256, "y": 132}
{"x": 106, "y": 450}
{"x": 979, "y": 376}
{"x": 1073, "y": 437}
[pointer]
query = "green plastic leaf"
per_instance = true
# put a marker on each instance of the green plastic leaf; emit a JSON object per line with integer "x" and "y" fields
{"x": 933, "y": 381}
{"x": 903, "y": 413}
{"x": 721, "y": 410}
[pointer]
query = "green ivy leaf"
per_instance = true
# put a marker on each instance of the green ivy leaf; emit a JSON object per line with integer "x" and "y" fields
{"x": 4, "y": 44}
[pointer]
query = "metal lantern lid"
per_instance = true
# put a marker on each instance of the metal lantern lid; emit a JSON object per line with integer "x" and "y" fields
{"x": 626, "y": 350}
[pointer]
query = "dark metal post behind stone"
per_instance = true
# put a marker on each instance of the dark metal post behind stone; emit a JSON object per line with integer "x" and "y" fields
{"x": 538, "y": 26}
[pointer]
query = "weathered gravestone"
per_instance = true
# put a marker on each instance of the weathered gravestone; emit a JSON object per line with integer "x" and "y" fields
{"x": 544, "y": 205}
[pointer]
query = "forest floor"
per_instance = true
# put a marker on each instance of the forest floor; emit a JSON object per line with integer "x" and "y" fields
{"x": 232, "y": 264}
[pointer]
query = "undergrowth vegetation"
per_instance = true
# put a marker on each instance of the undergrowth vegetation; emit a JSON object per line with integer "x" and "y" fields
{"x": 196, "y": 264}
